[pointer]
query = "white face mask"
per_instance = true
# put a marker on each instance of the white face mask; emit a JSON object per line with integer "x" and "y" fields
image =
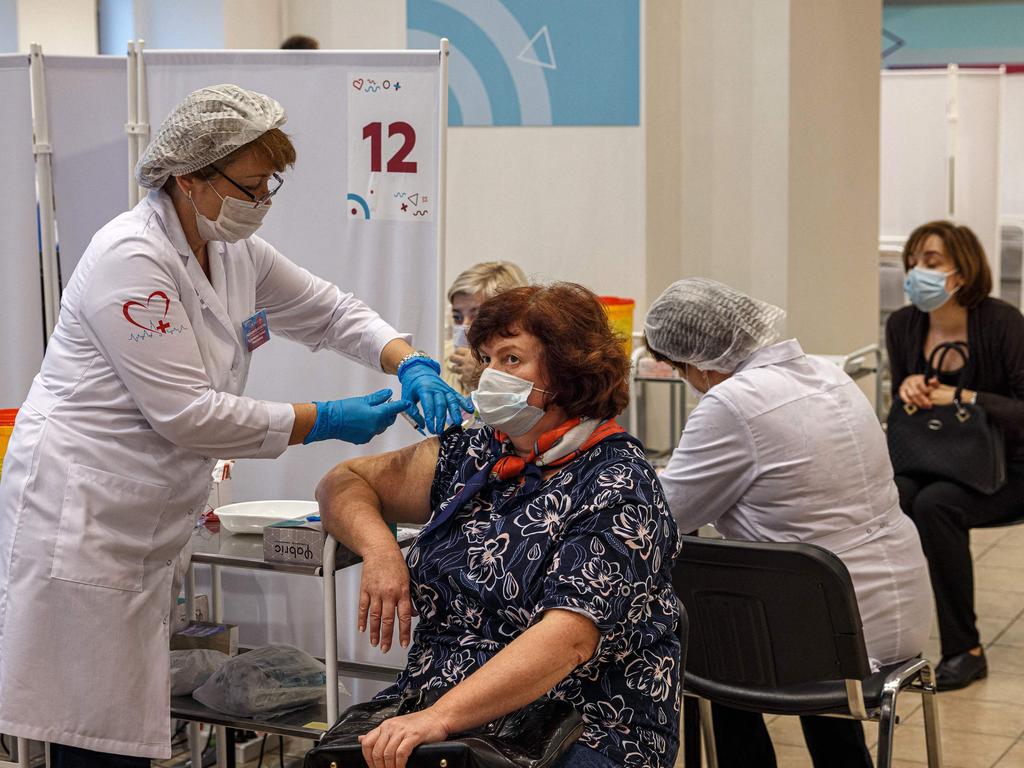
{"x": 697, "y": 394}
{"x": 459, "y": 337}
{"x": 501, "y": 401}
{"x": 237, "y": 220}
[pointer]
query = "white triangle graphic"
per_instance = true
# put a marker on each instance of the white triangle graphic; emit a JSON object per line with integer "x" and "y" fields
{"x": 529, "y": 53}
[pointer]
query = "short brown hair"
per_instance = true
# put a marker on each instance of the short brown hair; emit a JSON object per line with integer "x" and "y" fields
{"x": 967, "y": 254}
{"x": 274, "y": 146}
{"x": 584, "y": 360}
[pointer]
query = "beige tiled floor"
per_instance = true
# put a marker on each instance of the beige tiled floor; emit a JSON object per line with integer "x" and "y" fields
{"x": 983, "y": 725}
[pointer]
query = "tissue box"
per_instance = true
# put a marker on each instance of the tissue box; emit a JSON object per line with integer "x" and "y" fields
{"x": 301, "y": 542}
{"x": 205, "y": 634}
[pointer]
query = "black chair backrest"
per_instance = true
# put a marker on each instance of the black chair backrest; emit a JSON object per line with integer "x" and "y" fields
{"x": 768, "y": 615}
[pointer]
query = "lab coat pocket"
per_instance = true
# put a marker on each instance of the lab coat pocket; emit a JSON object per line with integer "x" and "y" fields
{"x": 106, "y": 529}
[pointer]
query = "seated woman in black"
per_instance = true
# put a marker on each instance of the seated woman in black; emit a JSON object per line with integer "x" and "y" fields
{"x": 948, "y": 282}
{"x": 545, "y": 563}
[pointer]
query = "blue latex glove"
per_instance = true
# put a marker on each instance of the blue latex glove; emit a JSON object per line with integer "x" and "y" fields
{"x": 355, "y": 419}
{"x": 440, "y": 403}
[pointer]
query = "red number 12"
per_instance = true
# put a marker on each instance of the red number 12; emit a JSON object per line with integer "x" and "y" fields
{"x": 397, "y": 163}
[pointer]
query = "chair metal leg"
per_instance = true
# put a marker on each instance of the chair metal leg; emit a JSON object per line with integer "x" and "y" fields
{"x": 886, "y": 726}
{"x": 930, "y": 707}
{"x": 707, "y": 727}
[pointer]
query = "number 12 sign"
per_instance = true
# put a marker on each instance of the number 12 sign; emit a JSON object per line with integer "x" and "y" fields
{"x": 392, "y": 145}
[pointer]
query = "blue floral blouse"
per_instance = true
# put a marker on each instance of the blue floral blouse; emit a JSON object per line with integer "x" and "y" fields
{"x": 596, "y": 538}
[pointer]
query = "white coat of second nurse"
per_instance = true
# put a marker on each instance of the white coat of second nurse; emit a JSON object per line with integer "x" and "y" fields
{"x": 141, "y": 385}
{"x": 784, "y": 447}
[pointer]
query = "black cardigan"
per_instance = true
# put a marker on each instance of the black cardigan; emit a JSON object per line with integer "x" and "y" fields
{"x": 995, "y": 335}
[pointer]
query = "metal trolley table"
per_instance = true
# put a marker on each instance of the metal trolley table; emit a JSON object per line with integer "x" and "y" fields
{"x": 224, "y": 550}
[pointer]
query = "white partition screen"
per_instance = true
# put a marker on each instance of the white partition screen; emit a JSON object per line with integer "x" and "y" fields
{"x": 1013, "y": 148}
{"x": 913, "y": 150}
{"x": 338, "y": 215}
{"x": 85, "y": 100}
{"x": 940, "y": 144}
{"x": 21, "y": 346}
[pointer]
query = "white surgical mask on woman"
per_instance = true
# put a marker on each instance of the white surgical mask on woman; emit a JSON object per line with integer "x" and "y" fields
{"x": 926, "y": 288}
{"x": 501, "y": 401}
{"x": 237, "y": 220}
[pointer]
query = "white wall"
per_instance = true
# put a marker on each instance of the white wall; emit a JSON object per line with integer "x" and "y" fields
{"x": 60, "y": 26}
{"x": 252, "y": 23}
{"x": 180, "y": 24}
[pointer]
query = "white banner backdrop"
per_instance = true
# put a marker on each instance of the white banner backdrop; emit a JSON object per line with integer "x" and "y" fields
{"x": 21, "y": 347}
{"x": 331, "y": 217}
{"x": 85, "y": 98}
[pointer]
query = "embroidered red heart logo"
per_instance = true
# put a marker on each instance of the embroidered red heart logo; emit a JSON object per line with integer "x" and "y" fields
{"x": 162, "y": 326}
{"x": 357, "y": 84}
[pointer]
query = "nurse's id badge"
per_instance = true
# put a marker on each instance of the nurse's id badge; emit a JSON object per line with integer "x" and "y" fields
{"x": 256, "y": 330}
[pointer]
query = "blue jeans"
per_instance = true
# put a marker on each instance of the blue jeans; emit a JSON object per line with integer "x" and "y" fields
{"x": 579, "y": 756}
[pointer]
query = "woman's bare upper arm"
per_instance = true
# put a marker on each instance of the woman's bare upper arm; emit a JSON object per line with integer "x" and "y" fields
{"x": 401, "y": 479}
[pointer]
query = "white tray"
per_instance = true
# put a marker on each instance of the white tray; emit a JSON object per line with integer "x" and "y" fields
{"x": 254, "y": 516}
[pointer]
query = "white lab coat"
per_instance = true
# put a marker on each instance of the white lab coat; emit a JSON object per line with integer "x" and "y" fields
{"x": 110, "y": 461}
{"x": 789, "y": 449}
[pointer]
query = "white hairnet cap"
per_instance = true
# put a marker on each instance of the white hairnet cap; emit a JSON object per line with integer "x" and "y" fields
{"x": 704, "y": 323}
{"x": 209, "y": 124}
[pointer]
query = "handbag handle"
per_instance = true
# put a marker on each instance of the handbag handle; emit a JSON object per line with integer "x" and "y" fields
{"x": 934, "y": 366}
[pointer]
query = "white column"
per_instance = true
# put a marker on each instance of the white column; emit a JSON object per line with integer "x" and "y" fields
{"x": 777, "y": 173}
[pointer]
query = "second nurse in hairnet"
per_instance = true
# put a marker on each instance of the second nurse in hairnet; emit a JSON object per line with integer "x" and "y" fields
{"x": 783, "y": 446}
{"x": 141, "y": 386}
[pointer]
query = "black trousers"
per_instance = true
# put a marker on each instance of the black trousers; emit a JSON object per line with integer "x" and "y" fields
{"x": 944, "y": 513}
{"x": 742, "y": 740}
{"x": 63, "y": 756}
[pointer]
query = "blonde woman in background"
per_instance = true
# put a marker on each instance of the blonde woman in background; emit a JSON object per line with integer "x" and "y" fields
{"x": 471, "y": 289}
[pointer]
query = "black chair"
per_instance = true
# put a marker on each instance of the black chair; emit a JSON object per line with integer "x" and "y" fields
{"x": 775, "y": 628}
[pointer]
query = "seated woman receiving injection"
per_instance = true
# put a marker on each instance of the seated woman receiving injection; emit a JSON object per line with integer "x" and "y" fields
{"x": 544, "y": 564}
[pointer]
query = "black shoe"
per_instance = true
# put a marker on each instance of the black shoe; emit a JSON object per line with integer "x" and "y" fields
{"x": 960, "y": 671}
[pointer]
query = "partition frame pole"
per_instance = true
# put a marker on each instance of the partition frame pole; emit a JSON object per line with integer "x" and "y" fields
{"x": 442, "y": 197}
{"x": 130, "y": 126}
{"x": 142, "y": 111}
{"x": 43, "y": 151}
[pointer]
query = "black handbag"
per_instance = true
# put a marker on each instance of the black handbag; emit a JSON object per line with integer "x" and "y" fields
{"x": 956, "y": 442}
{"x": 532, "y": 737}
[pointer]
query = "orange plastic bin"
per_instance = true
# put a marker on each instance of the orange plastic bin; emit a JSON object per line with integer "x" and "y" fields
{"x": 7, "y": 416}
{"x": 620, "y": 318}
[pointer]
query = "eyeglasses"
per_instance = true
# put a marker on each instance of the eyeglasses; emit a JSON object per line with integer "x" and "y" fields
{"x": 274, "y": 186}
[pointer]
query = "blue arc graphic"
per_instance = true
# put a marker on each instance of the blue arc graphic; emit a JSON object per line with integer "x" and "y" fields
{"x": 357, "y": 199}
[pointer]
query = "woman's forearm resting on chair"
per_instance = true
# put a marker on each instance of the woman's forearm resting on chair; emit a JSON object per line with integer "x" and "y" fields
{"x": 527, "y": 668}
{"x": 523, "y": 671}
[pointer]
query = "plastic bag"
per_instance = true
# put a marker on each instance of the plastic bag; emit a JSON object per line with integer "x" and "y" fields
{"x": 192, "y": 668}
{"x": 270, "y": 680}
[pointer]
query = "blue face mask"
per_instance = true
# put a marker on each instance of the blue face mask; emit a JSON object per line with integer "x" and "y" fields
{"x": 926, "y": 288}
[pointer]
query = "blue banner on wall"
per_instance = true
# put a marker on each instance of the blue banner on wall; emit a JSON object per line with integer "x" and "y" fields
{"x": 535, "y": 62}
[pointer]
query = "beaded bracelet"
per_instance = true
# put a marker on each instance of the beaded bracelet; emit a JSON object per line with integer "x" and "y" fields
{"x": 414, "y": 357}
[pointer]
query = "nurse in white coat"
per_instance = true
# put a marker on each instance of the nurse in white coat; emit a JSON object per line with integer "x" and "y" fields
{"x": 785, "y": 447}
{"x": 140, "y": 390}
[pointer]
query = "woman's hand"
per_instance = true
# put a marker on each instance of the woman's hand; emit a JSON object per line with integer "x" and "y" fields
{"x": 465, "y": 366}
{"x": 383, "y": 592}
{"x": 943, "y": 394}
{"x": 917, "y": 391}
{"x": 390, "y": 743}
